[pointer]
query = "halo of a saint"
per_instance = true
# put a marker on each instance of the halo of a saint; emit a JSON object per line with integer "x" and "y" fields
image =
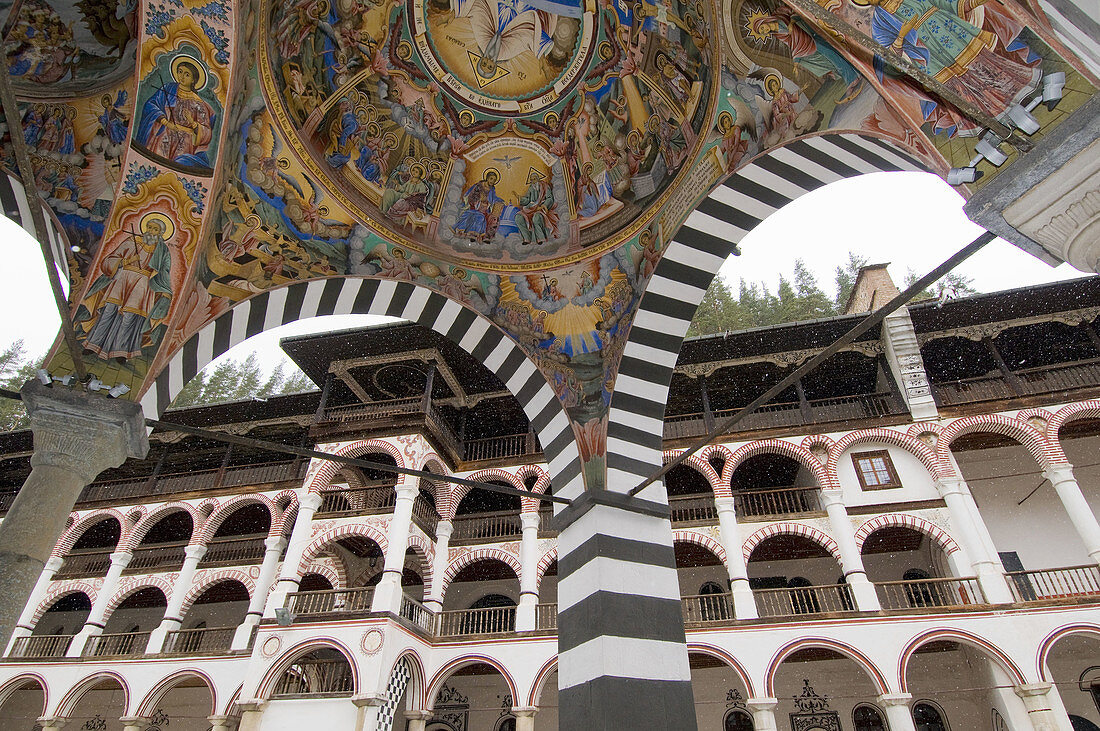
{"x": 168, "y": 228}
{"x": 201, "y": 76}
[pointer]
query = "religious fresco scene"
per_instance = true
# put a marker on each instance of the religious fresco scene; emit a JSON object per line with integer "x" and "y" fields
{"x": 528, "y": 159}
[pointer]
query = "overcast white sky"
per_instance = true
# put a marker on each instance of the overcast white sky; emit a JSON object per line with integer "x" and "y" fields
{"x": 911, "y": 220}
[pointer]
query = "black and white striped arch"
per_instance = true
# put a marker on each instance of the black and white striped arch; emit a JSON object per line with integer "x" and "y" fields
{"x": 17, "y": 207}
{"x": 691, "y": 261}
{"x": 342, "y": 296}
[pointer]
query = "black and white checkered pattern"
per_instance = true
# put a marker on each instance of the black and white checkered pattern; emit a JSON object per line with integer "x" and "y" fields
{"x": 395, "y": 689}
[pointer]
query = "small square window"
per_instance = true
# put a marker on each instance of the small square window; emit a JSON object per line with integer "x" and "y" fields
{"x": 875, "y": 470}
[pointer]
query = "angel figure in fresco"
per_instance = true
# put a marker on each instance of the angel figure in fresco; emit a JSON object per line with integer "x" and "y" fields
{"x": 133, "y": 292}
{"x": 477, "y": 220}
{"x": 503, "y": 29}
{"x": 175, "y": 122}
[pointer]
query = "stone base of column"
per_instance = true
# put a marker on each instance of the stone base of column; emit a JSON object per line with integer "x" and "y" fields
{"x": 744, "y": 602}
{"x": 863, "y": 592}
{"x": 763, "y": 713}
{"x": 992, "y": 580}
{"x": 283, "y": 587}
{"x": 387, "y": 595}
{"x": 243, "y": 635}
{"x": 525, "y": 613}
{"x": 76, "y": 647}
{"x": 158, "y": 636}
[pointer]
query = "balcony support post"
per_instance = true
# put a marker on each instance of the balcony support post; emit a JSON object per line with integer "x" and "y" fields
{"x": 528, "y": 574}
{"x": 25, "y": 626}
{"x": 273, "y": 549}
{"x": 76, "y": 436}
{"x": 863, "y": 591}
{"x": 744, "y": 604}
{"x": 898, "y": 715}
{"x": 387, "y": 595}
{"x": 708, "y": 412}
{"x": 93, "y": 625}
{"x": 434, "y": 600}
{"x": 1040, "y": 709}
{"x": 1077, "y": 507}
{"x": 525, "y": 717}
{"x": 172, "y": 620}
{"x": 971, "y": 530}
{"x": 322, "y": 404}
{"x": 1011, "y": 378}
{"x": 289, "y": 577}
{"x": 763, "y": 713}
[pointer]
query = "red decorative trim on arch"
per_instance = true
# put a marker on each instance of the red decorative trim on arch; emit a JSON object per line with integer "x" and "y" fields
{"x": 324, "y": 474}
{"x": 688, "y": 536}
{"x": 537, "y": 686}
{"x": 824, "y": 441}
{"x": 968, "y": 638}
{"x": 167, "y": 684}
{"x": 914, "y": 446}
{"x": 208, "y": 579}
{"x": 13, "y": 684}
{"x": 426, "y": 551}
{"x": 287, "y": 658}
{"x": 141, "y": 528}
{"x": 1041, "y": 449}
{"x": 904, "y": 520}
{"x": 776, "y": 446}
{"x": 444, "y": 672}
{"x": 1071, "y": 412}
{"x": 797, "y": 529}
{"x": 210, "y": 527}
{"x": 333, "y": 534}
{"x": 542, "y": 484}
{"x": 65, "y": 544}
{"x": 419, "y": 675}
{"x": 137, "y": 584}
{"x": 78, "y": 689}
{"x": 59, "y": 592}
{"x": 704, "y": 468}
{"x": 460, "y": 491}
{"x": 1052, "y": 639}
{"x": 844, "y": 649}
{"x": 720, "y": 654}
{"x": 479, "y": 554}
{"x": 333, "y": 575}
{"x": 544, "y": 564}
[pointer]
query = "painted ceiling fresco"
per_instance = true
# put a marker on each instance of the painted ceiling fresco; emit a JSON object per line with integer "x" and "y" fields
{"x": 529, "y": 159}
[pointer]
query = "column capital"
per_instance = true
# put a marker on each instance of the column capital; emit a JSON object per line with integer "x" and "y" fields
{"x": 81, "y": 432}
{"x": 418, "y": 715}
{"x": 726, "y": 505}
{"x": 1031, "y": 690}
{"x": 529, "y": 520}
{"x": 444, "y": 528}
{"x": 1060, "y": 472}
{"x": 310, "y": 501}
{"x": 762, "y": 704}
{"x": 223, "y": 722}
{"x": 251, "y": 705}
{"x": 50, "y": 723}
{"x": 368, "y": 700}
{"x": 895, "y": 699}
{"x": 407, "y": 491}
{"x": 195, "y": 551}
{"x": 122, "y": 558}
{"x": 831, "y": 497}
{"x": 952, "y": 485}
{"x": 274, "y": 543}
{"x": 53, "y": 564}
{"x": 135, "y": 722}
{"x": 524, "y": 711}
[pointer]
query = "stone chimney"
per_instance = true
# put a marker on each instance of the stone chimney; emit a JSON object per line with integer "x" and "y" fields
{"x": 872, "y": 289}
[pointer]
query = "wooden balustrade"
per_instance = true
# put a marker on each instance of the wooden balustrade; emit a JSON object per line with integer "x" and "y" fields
{"x": 1071, "y": 582}
{"x": 424, "y": 515}
{"x": 157, "y": 556}
{"x": 202, "y": 641}
{"x": 235, "y": 550}
{"x": 376, "y": 410}
{"x": 491, "y": 620}
{"x": 796, "y": 600}
{"x": 773, "y": 503}
{"x": 921, "y": 593}
{"x": 375, "y": 499}
{"x": 707, "y": 608}
{"x": 486, "y": 526}
{"x": 417, "y": 613}
{"x": 546, "y": 522}
{"x": 330, "y": 600}
{"x": 35, "y": 646}
{"x": 546, "y": 616}
{"x": 85, "y": 562}
{"x": 308, "y": 676}
{"x": 1056, "y": 378}
{"x": 502, "y": 447}
{"x": 789, "y": 414}
{"x": 117, "y": 644}
{"x": 693, "y": 508}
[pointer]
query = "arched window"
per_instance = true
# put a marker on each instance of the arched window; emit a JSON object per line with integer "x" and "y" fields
{"x": 928, "y": 717}
{"x": 508, "y": 723}
{"x": 868, "y": 718}
{"x": 737, "y": 720}
{"x": 320, "y": 672}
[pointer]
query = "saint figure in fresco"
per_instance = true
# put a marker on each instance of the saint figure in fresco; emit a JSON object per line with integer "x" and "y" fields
{"x": 536, "y": 220}
{"x": 477, "y": 220}
{"x": 809, "y": 51}
{"x": 132, "y": 294}
{"x": 175, "y": 123}
{"x": 112, "y": 120}
{"x": 407, "y": 195}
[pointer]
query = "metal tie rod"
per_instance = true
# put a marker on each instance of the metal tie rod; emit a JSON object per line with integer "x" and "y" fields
{"x": 864, "y": 325}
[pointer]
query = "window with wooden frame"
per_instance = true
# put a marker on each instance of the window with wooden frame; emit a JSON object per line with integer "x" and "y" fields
{"x": 875, "y": 470}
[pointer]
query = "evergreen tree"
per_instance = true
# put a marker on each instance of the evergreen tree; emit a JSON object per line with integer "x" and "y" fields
{"x": 233, "y": 380}
{"x": 952, "y": 285}
{"x": 15, "y": 370}
{"x": 846, "y": 279}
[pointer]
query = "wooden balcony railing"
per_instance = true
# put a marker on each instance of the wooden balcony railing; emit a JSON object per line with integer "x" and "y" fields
{"x": 310, "y": 677}
{"x": 235, "y": 550}
{"x": 424, "y": 515}
{"x": 925, "y": 593}
{"x": 157, "y": 557}
{"x": 374, "y": 499}
{"x": 417, "y": 613}
{"x": 486, "y": 526}
{"x": 193, "y": 480}
{"x": 117, "y": 644}
{"x": 36, "y": 646}
{"x": 790, "y": 414}
{"x": 511, "y": 445}
{"x": 205, "y": 641}
{"x": 793, "y": 601}
{"x": 373, "y": 411}
{"x": 1073, "y": 582}
{"x": 6, "y": 499}
{"x": 546, "y": 523}
{"x": 85, "y": 562}
{"x": 492, "y": 620}
{"x": 693, "y": 508}
{"x": 772, "y": 503}
{"x": 330, "y": 600}
{"x": 546, "y": 616}
{"x": 1081, "y": 374}
{"x": 707, "y": 608}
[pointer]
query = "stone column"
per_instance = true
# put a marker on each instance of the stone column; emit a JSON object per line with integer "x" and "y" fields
{"x": 418, "y": 720}
{"x": 387, "y": 595}
{"x": 1036, "y": 698}
{"x": 525, "y": 717}
{"x": 172, "y": 620}
{"x": 1077, "y": 507}
{"x": 76, "y": 436}
{"x": 222, "y": 723}
{"x": 368, "y": 705}
{"x": 528, "y": 574}
{"x": 252, "y": 714}
{"x": 763, "y": 713}
{"x": 863, "y": 591}
{"x": 299, "y": 540}
{"x": 93, "y": 625}
{"x": 744, "y": 604}
{"x": 898, "y": 715}
{"x": 273, "y": 549}
{"x": 972, "y": 533}
{"x": 41, "y": 588}
{"x": 134, "y": 723}
{"x": 434, "y": 600}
